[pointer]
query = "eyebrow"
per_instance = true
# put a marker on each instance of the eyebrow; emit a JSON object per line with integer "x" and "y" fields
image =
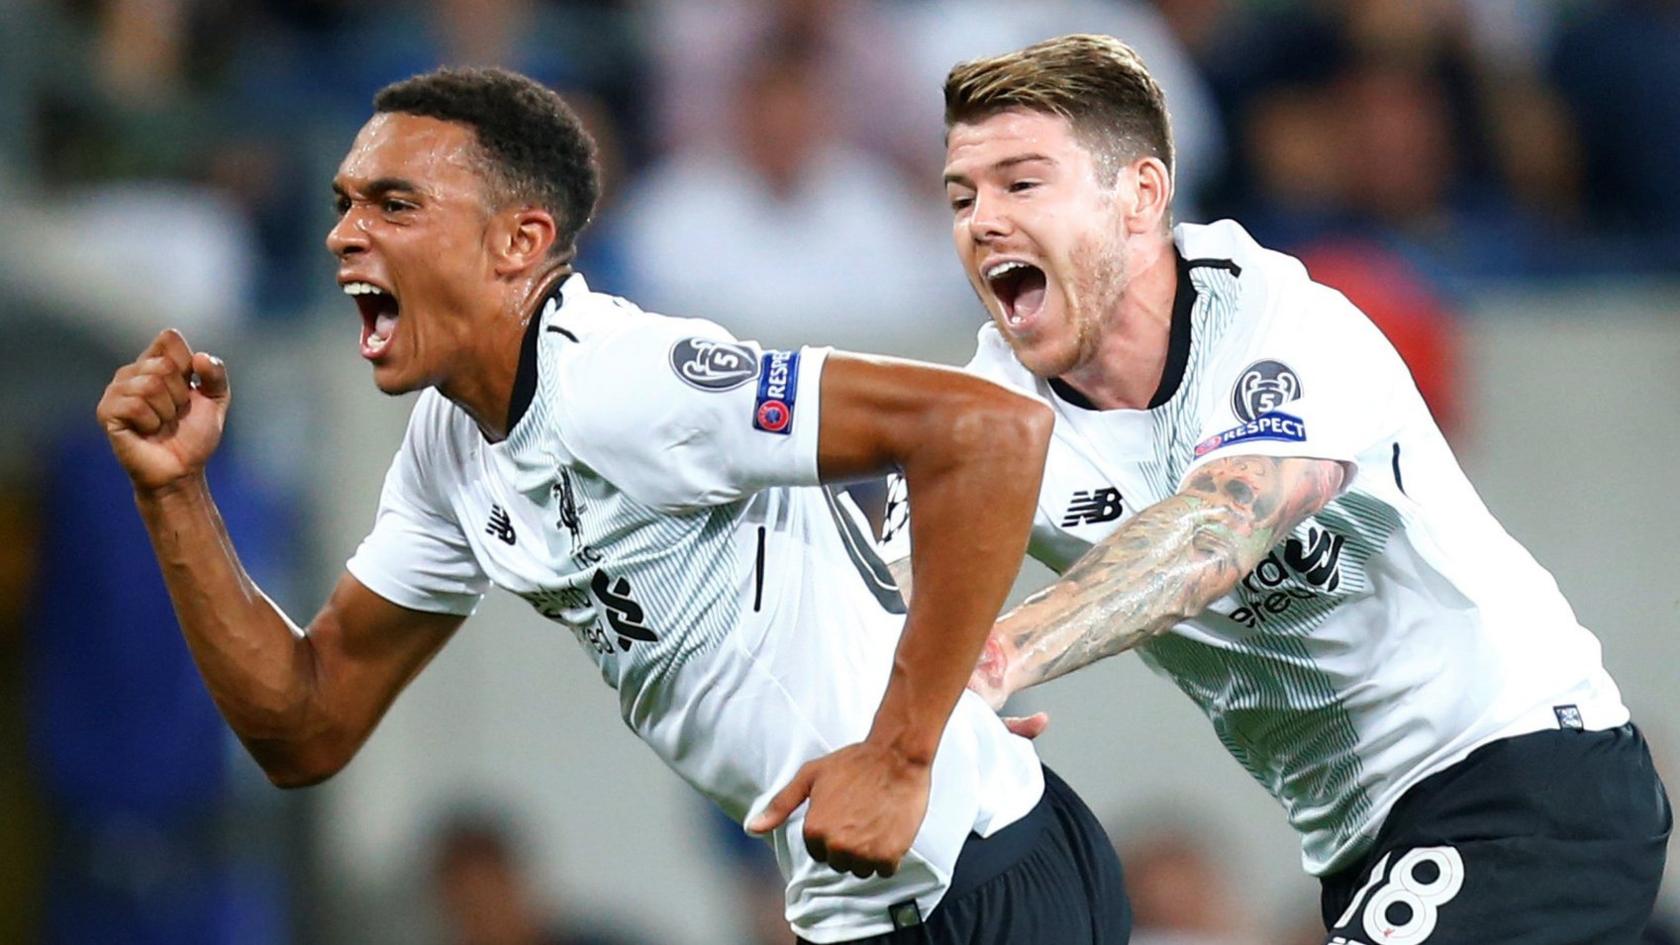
{"x": 381, "y": 187}
{"x": 1002, "y": 165}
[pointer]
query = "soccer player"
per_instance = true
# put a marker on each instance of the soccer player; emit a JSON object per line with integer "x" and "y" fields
{"x": 651, "y": 484}
{"x": 1244, "y": 486}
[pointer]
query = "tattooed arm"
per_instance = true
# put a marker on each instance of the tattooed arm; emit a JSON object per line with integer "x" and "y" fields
{"x": 1167, "y": 563}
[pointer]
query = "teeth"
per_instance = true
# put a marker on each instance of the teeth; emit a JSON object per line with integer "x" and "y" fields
{"x": 362, "y": 288}
{"x": 1004, "y": 267}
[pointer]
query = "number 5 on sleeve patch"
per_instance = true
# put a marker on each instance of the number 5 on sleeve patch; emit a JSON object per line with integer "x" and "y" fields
{"x": 778, "y": 385}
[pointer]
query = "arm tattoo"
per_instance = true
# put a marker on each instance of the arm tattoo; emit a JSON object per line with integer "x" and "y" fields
{"x": 1167, "y": 563}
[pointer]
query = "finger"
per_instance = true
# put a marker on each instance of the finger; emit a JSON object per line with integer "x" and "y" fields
{"x": 173, "y": 345}
{"x": 786, "y": 801}
{"x": 126, "y": 371}
{"x": 864, "y": 871}
{"x": 133, "y": 414}
{"x": 816, "y": 844}
{"x": 212, "y": 375}
{"x": 174, "y": 381}
{"x": 154, "y": 391}
{"x": 1027, "y": 726}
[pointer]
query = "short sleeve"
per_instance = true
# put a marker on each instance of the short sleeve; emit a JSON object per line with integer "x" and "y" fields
{"x": 678, "y": 414}
{"x": 1319, "y": 381}
{"x": 417, "y": 555}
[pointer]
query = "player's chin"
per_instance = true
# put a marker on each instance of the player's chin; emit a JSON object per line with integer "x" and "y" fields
{"x": 1043, "y": 356}
{"x": 391, "y": 380}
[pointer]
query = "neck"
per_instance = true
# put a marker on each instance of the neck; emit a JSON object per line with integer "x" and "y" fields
{"x": 485, "y": 391}
{"x": 1126, "y": 369}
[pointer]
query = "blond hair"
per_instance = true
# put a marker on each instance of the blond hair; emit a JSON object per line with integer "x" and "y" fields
{"x": 1097, "y": 83}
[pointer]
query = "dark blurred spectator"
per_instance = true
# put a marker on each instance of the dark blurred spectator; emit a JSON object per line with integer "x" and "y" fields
{"x": 22, "y": 842}
{"x": 1618, "y": 66}
{"x": 485, "y": 894}
{"x": 1180, "y": 894}
{"x": 859, "y": 66}
{"x": 1404, "y": 174}
{"x": 131, "y": 755}
{"x": 1298, "y": 187}
{"x": 788, "y": 235}
{"x": 1249, "y": 54}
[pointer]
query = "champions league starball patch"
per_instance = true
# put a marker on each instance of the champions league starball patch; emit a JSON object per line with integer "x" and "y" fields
{"x": 709, "y": 365}
{"x": 1274, "y": 425}
{"x": 1263, "y": 386}
{"x": 778, "y": 383}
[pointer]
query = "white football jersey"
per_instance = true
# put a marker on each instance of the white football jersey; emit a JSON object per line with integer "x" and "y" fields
{"x": 1390, "y": 634}
{"x": 659, "y": 499}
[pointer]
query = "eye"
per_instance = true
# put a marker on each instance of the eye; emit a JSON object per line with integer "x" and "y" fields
{"x": 393, "y": 205}
{"x": 959, "y": 204}
{"x": 1022, "y": 185}
{"x": 341, "y": 204}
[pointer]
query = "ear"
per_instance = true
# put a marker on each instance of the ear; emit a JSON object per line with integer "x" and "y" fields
{"x": 1152, "y": 194}
{"x": 521, "y": 238}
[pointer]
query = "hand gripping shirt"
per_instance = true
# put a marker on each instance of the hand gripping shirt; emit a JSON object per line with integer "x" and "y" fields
{"x": 1387, "y": 636}
{"x": 659, "y": 499}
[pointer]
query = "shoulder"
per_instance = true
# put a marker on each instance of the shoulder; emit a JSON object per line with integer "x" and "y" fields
{"x": 617, "y": 345}
{"x": 436, "y": 427}
{"x": 1265, "y": 296}
{"x": 628, "y": 376}
{"x": 995, "y": 361}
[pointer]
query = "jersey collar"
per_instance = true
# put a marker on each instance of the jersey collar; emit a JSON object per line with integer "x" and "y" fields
{"x": 529, "y": 453}
{"x": 525, "y": 381}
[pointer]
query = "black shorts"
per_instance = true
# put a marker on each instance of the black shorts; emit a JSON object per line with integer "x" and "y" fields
{"x": 1552, "y": 838}
{"x": 1050, "y": 878}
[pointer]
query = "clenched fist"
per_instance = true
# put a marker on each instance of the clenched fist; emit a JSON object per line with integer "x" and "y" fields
{"x": 164, "y": 412}
{"x": 867, "y": 804}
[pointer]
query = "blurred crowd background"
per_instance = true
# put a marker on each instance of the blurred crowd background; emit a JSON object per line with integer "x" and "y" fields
{"x": 1478, "y": 175}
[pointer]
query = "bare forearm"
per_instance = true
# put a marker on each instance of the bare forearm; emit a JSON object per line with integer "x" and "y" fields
{"x": 255, "y": 661}
{"x": 975, "y": 494}
{"x": 1166, "y": 564}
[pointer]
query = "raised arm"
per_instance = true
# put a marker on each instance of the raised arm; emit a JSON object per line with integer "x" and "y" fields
{"x": 973, "y": 454}
{"x": 1167, "y": 563}
{"x": 301, "y": 700}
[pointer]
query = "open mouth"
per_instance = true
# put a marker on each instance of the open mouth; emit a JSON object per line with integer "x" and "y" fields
{"x": 379, "y": 310}
{"x": 1019, "y": 287}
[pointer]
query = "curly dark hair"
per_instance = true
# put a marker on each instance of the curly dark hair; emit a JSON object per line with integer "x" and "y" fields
{"x": 534, "y": 147}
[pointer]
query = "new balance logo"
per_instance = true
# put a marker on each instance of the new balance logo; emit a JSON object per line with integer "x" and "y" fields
{"x": 1093, "y": 506}
{"x": 500, "y": 525}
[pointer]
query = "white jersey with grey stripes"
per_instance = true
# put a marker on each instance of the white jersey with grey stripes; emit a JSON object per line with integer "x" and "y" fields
{"x": 1387, "y": 636}
{"x": 659, "y": 500}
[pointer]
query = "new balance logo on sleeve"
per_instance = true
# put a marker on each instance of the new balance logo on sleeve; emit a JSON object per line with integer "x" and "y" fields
{"x": 1092, "y": 507}
{"x": 500, "y": 525}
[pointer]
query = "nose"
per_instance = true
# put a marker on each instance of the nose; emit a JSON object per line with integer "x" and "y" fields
{"x": 347, "y": 236}
{"x": 987, "y": 219}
